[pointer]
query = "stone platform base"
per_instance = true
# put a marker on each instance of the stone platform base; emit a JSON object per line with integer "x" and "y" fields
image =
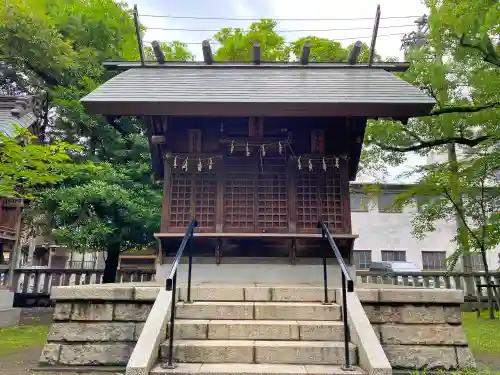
{"x": 9, "y": 317}
{"x": 99, "y": 325}
{"x": 255, "y": 270}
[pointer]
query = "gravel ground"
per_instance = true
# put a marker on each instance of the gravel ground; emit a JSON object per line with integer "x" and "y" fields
{"x": 36, "y": 315}
{"x": 21, "y": 362}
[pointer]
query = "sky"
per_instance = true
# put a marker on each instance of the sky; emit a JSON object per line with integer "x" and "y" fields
{"x": 314, "y": 11}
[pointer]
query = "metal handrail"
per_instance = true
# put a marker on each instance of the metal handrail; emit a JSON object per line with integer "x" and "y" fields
{"x": 171, "y": 285}
{"x": 347, "y": 287}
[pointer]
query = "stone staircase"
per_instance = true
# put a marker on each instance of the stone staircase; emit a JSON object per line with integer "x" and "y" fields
{"x": 289, "y": 336}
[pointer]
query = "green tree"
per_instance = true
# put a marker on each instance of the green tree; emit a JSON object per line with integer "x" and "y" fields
{"x": 27, "y": 167}
{"x": 322, "y": 49}
{"x": 174, "y": 51}
{"x": 475, "y": 208}
{"x": 237, "y": 43}
{"x": 480, "y": 201}
{"x": 458, "y": 66}
{"x": 113, "y": 209}
{"x": 57, "y": 48}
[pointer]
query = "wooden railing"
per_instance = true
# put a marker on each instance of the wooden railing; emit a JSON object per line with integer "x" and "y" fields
{"x": 41, "y": 280}
{"x": 433, "y": 279}
{"x": 82, "y": 264}
{"x": 7, "y": 231}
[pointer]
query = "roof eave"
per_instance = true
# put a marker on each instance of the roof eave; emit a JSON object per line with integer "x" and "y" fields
{"x": 243, "y": 109}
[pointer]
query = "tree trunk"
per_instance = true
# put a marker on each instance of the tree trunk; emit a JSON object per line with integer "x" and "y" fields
{"x": 111, "y": 263}
{"x": 463, "y": 238}
{"x": 489, "y": 291}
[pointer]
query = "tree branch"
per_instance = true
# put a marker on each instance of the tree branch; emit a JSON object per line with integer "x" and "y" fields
{"x": 489, "y": 53}
{"x": 434, "y": 143}
{"x": 462, "y": 109}
{"x": 49, "y": 79}
{"x": 462, "y": 217}
{"x": 407, "y": 130}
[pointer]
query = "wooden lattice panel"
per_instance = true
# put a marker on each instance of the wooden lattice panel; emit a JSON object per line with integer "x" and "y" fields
{"x": 181, "y": 185}
{"x": 239, "y": 194}
{"x": 331, "y": 208}
{"x": 205, "y": 187}
{"x": 272, "y": 198}
{"x": 307, "y": 200}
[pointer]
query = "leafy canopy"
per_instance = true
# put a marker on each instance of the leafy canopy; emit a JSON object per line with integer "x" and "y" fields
{"x": 27, "y": 167}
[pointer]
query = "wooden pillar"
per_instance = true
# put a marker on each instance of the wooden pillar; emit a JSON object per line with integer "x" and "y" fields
{"x": 165, "y": 207}
{"x": 219, "y": 202}
{"x": 346, "y": 199}
{"x": 292, "y": 195}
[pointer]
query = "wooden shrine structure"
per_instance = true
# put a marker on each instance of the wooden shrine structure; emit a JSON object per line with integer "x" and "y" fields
{"x": 258, "y": 153}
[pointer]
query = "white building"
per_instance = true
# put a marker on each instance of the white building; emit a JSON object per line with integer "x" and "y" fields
{"x": 386, "y": 235}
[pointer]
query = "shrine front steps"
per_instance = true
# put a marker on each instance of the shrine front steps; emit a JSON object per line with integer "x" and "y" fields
{"x": 222, "y": 338}
{"x": 260, "y": 351}
{"x": 254, "y": 369}
{"x": 193, "y": 329}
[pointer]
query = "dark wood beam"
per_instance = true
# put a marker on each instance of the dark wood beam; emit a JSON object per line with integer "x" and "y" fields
{"x": 207, "y": 52}
{"x": 374, "y": 37}
{"x": 354, "y": 53}
{"x": 126, "y": 65}
{"x": 157, "y": 139}
{"x": 160, "y": 56}
{"x": 306, "y": 51}
{"x": 256, "y": 53}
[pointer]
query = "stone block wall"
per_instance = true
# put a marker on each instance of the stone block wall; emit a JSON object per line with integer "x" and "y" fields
{"x": 96, "y": 325}
{"x": 419, "y": 329}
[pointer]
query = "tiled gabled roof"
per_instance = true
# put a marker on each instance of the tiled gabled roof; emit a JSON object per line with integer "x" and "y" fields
{"x": 185, "y": 90}
{"x": 15, "y": 110}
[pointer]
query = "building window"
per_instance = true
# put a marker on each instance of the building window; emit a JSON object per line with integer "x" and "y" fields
{"x": 433, "y": 260}
{"x": 476, "y": 262}
{"x": 421, "y": 202}
{"x": 428, "y": 200}
{"x": 385, "y": 203}
{"x": 359, "y": 202}
{"x": 393, "y": 256}
{"x": 362, "y": 259}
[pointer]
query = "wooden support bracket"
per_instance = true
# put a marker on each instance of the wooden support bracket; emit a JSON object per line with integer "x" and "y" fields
{"x": 293, "y": 252}
{"x": 218, "y": 251}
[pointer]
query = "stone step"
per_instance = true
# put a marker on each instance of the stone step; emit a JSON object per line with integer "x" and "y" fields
{"x": 254, "y": 368}
{"x": 305, "y": 293}
{"x": 250, "y": 351}
{"x": 258, "y": 310}
{"x": 296, "y": 311}
{"x": 259, "y": 330}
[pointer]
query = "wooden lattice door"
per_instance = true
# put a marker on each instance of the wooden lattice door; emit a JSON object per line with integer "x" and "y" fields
{"x": 319, "y": 197}
{"x": 330, "y": 196}
{"x": 239, "y": 194}
{"x": 272, "y": 195}
{"x": 180, "y": 213}
{"x": 307, "y": 201}
{"x": 205, "y": 190}
{"x": 192, "y": 195}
